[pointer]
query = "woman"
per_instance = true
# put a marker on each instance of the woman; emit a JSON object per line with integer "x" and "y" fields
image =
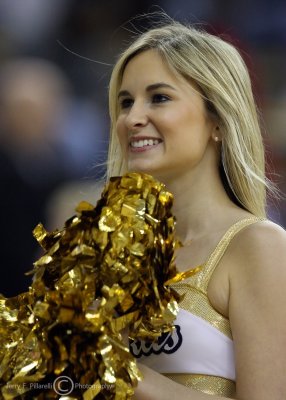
{"x": 182, "y": 110}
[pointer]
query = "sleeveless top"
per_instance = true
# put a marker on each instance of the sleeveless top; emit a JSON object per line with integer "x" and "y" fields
{"x": 199, "y": 352}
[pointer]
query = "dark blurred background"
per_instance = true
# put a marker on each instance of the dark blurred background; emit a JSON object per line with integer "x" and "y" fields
{"x": 56, "y": 58}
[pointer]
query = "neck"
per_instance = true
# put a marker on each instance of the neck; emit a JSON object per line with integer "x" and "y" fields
{"x": 201, "y": 205}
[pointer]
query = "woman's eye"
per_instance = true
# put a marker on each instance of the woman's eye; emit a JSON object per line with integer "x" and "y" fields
{"x": 126, "y": 103}
{"x": 160, "y": 98}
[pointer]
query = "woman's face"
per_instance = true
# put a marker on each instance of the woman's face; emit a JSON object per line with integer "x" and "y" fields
{"x": 163, "y": 127}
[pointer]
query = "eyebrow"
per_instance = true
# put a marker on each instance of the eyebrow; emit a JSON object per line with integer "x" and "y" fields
{"x": 149, "y": 88}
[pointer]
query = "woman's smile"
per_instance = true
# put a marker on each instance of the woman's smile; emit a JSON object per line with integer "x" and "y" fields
{"x": 139, "y": 144}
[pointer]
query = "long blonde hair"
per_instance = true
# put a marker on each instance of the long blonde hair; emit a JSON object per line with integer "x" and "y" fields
{"x": 221, "y": 74}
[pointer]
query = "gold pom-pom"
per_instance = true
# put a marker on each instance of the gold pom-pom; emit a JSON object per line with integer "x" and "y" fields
{"x": 103, "y": 274}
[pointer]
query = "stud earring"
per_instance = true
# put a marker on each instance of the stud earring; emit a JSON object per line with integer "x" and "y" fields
{"x": 216, "y": 138}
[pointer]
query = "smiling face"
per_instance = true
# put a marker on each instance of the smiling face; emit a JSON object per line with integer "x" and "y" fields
{"x": 163, "y": 126}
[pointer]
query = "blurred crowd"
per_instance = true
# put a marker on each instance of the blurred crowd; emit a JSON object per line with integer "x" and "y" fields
{"x": 55, "y": 61}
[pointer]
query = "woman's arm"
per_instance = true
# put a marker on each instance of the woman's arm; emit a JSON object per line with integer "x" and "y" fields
{"x": 257, "y": 310}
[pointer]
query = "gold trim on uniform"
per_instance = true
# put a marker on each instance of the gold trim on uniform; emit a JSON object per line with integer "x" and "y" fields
{"x": 198, "y": 304}
{"x": 208, "y": 384}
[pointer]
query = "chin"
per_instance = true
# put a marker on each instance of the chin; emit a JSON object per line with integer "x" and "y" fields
{"x": 148, "y": 168}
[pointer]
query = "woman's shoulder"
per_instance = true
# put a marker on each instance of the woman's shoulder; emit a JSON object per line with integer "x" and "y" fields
{"x": 256, "y": 255}
{"x": 257, "y": 308}
{"x": 264, "y": 227}
{"x": 260, "y": 247}
{"x": 262, "y": 235}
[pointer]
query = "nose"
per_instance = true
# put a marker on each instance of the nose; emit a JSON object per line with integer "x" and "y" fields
{"x": 137, "y": 116}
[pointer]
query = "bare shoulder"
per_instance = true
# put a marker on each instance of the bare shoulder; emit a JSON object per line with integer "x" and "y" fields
{"x": 263, "y": 230}
{"x": 255, "y": 256}
{"x": 258, "y": 246}
{"x": 258, "y": 260}
{"x": 257, "y": 310}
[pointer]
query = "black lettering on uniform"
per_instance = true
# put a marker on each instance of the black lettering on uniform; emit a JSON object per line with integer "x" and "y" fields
{"x": 167, "y": 343}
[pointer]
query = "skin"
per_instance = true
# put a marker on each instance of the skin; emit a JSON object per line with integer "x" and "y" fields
{"x": 164, "y": 108}
{"x": 248, "y": 285}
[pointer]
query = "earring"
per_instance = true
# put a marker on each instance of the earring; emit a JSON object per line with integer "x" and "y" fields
{"x": 216, "y": 138}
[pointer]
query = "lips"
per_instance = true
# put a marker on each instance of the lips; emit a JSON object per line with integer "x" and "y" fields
{"x": 143, "y": 143}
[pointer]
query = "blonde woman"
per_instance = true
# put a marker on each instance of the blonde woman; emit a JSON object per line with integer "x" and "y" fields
{"x": 182, "y": 110}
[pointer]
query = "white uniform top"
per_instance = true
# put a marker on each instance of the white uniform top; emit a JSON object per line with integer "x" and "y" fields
{"x": 195, "y": 347}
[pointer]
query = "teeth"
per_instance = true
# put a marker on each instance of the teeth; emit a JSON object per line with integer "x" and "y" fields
{"x": 145, "y": 142}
